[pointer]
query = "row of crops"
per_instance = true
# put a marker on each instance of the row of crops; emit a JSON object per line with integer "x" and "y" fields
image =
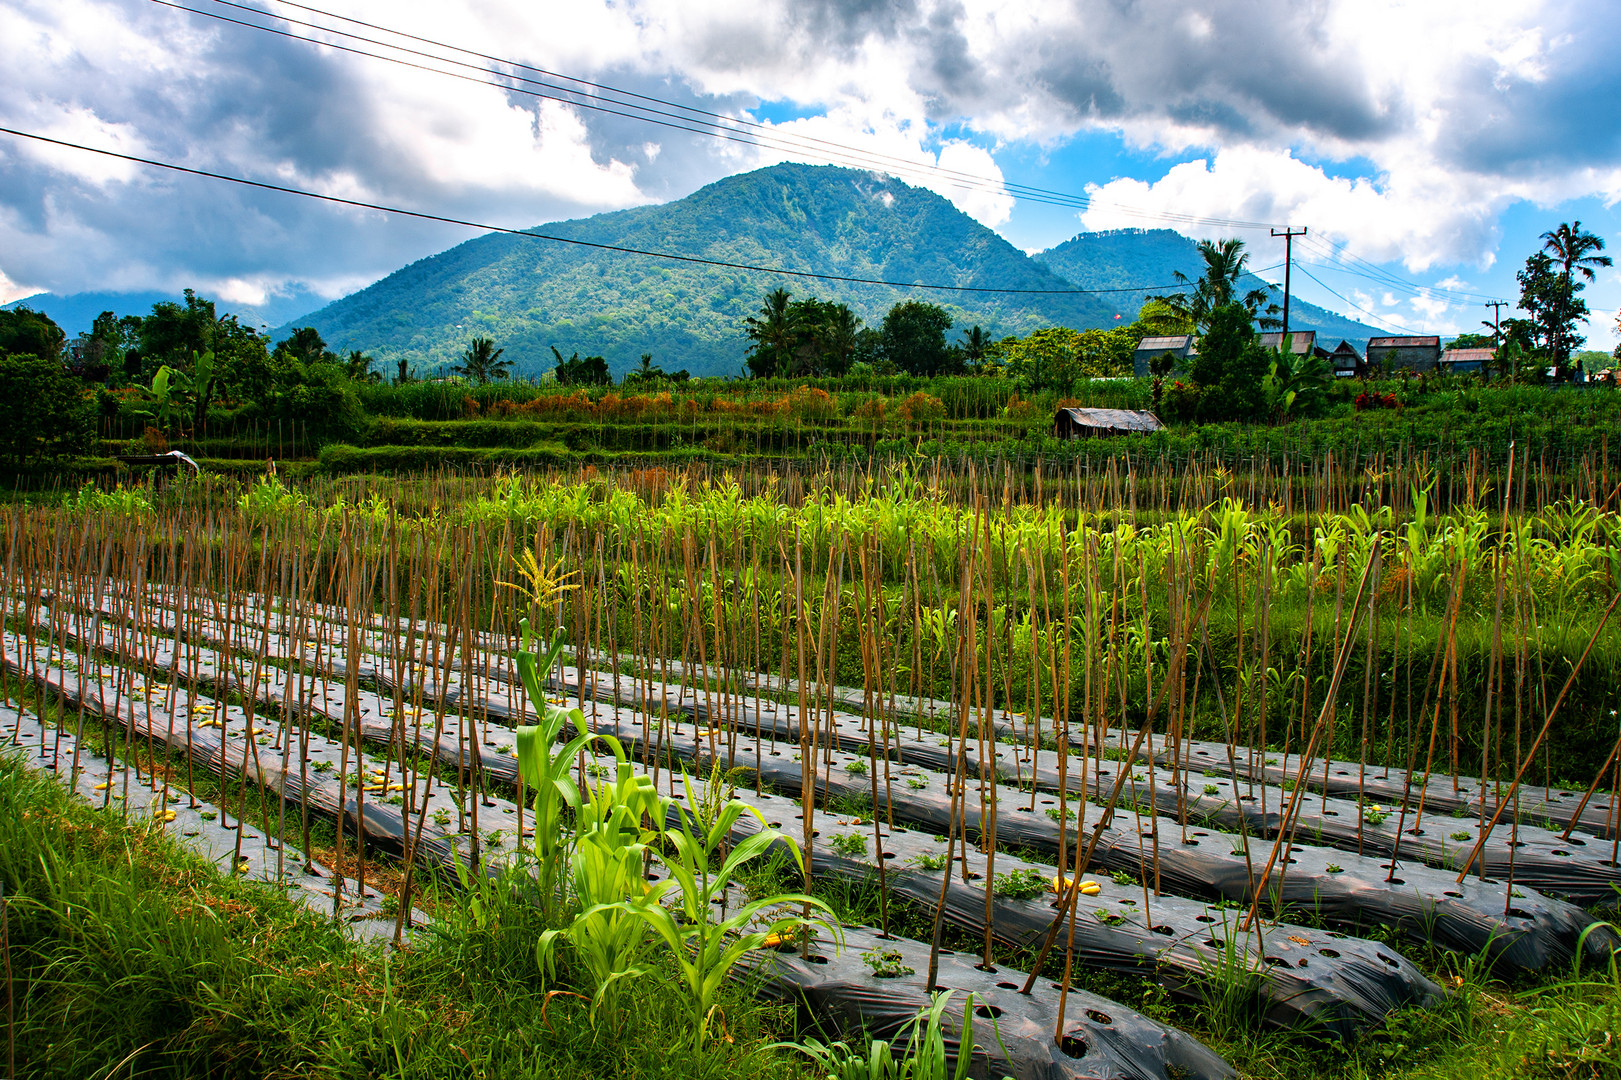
{"x": 1248, "y": 737}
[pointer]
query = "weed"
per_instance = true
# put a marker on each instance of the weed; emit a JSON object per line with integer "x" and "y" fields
{"x": 850, "y": 845}
{"x": 1023, "y": 884}
{"x": 886, "y": 964}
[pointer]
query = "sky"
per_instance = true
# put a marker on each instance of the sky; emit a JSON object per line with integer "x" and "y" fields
{"x": 1425, "y": 145}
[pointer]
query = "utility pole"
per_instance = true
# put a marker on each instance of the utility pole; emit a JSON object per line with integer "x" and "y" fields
{"x": 1289, "y": 233}
{"x": 1497, "y": 307}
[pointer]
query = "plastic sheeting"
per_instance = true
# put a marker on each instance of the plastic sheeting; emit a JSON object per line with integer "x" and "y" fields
{"x": 840, "y": 997}
{"x": 837, "y": 990}
{"x": 1348, "y": 890}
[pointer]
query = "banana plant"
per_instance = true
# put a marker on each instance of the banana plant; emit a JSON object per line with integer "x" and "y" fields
{"x": 706, "y": 951}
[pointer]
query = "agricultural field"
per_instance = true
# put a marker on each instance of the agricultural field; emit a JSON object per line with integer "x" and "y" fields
{"x": 1164, "y": 768}
{"x": 811, "y": 424}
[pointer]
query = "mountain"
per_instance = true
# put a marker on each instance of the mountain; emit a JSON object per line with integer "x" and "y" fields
{"x": 75, "y": 312}
{"x": 1127, "y": 257}
{"x": 530, "y": 294}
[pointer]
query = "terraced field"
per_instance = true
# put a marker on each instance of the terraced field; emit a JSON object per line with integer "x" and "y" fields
{"x": 1061, "y": 735}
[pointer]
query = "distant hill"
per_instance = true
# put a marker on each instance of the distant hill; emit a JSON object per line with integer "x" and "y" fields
{"x": 75, "y": 312}
{"x": 1123, "y": 257}
{"x": 531, "y": 294}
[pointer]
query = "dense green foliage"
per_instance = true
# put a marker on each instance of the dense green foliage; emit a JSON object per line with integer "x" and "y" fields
{"x": 43, "y": 409}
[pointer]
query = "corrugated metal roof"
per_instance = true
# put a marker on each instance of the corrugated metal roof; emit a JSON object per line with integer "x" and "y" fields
{"x": 1115, "y": 419}
{"x": 1176, "y": 341}
{"x": 1300, "y": 341}
{"x": 1402, "y": 342}
{"x": 1467, "y": 356}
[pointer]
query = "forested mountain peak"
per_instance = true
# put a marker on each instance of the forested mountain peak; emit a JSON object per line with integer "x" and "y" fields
{"x": 530, "y": 294}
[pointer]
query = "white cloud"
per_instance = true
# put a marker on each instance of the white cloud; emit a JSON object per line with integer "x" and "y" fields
{"x": 1386, "y": 219}
{"x": 10, "y": 290}
{"x": 1430, "y": 117}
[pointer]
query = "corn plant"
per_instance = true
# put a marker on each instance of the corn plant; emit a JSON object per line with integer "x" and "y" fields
{"x": 608, "y": 883}
{"x": 706, "y": 951}
{"x": 546, "y": 773}
{"x": 924, "y": 1058}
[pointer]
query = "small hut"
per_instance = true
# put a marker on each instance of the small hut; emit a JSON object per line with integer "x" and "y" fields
{"x": 1101, "y": 423}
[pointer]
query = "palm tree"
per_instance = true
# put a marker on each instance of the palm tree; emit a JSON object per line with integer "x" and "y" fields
{"x": 836, "y": 338}
{"x": 773, "y": 333}
{"x": 974, "y": 344}
{"x": 359, "y": 367}
{"x": 481, "y": 362}
{"x": 1225, "y": 263}
{"x": 1571, "y": 248}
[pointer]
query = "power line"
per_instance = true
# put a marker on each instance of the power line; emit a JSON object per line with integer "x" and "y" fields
{"x": 1342, "y": 261}
{"x": 759, "y": 134}
{"x": 1377, "y": 320}
{"x": 426, "y": 216}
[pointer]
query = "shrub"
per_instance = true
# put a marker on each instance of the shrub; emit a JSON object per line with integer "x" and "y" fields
{"x": 44, "y": 411}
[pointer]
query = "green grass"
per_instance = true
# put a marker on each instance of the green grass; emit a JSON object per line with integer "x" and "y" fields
{"x": 131, "y": 957}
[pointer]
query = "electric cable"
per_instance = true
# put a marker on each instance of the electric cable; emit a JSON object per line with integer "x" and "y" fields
{"x": 773, "y": 139}
{"x": 465, "y": 223}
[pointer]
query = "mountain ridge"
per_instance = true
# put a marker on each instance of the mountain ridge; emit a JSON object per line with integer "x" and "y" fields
{"x": 532, "y": 294}
{"x": 529, "y": 294}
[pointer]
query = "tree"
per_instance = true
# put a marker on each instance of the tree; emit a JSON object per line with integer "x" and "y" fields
{"x": 402, "y": 372}
{"x": 358, "y": 365}
{"x": 173, "y": 333}
{"x": 974, "y": 344}
{"x": 824, "y": 337}
{"x": 306, "y": 345}
{"x": 1229, "y": 366}
{"x": 1225, "y": 263}
{"x": 808, "y": 337}
{"x": 650, "y": 372}
{"x": 481, "y": 362}
{"x": 772, "y": 333}
{"x": 1159, "y": 317}
{"x": 913, "y": 337}
{"x": 44, "y": 411}
{"x": 1572, "y": 249}
{"x": 1471, "y": 341}
{"x": 1550, "y": 298}
{"x": 591, "y": 371}
{"x": 25, "y": 331}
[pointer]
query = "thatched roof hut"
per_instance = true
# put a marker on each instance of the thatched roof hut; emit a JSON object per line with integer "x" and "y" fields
{"x": 1099, "y": 423}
